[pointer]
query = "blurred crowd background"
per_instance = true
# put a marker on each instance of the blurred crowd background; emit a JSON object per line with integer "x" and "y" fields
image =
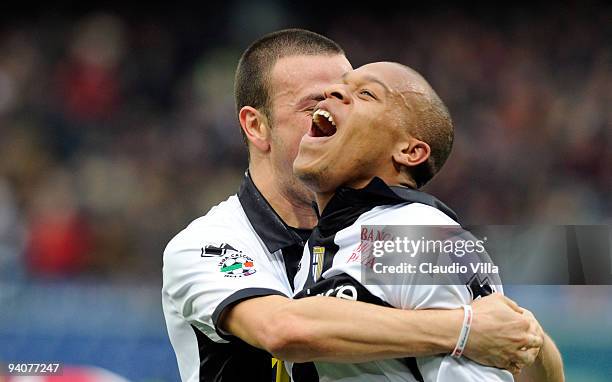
{"x": 117, "y": 128}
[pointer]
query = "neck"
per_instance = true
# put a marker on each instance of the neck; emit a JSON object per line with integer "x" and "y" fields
{"x": 323, "y": 198}
{"x": 296, "y": 212}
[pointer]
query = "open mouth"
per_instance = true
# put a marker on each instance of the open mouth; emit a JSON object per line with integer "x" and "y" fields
{"x": 323, "y": 124}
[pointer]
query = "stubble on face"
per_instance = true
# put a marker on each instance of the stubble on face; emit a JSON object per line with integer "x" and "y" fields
{"x": 297, "y": 84}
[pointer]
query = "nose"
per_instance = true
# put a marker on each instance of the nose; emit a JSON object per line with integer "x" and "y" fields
{"x": 337, "y": 91}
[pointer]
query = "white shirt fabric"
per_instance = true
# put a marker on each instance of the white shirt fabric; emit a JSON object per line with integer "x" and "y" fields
{"x": 217, "y": 260}
{"x": 405, "y": 296}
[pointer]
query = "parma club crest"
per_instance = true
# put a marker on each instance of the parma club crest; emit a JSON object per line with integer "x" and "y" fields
{"x": 237, "y": 265}
{"x": 318, "y": 256}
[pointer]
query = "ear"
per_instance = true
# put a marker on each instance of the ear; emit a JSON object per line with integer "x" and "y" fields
{"x": 256, "y": 127}
{"x": 411, "y": 152}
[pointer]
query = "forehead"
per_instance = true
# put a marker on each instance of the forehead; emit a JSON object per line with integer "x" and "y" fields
{"x": 394, "y": 77}
{"x": 295, "y": 76}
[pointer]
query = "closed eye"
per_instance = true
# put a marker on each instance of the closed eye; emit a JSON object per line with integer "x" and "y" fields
{"x": 309, "y": 110}
{"x": 367, "y": 93}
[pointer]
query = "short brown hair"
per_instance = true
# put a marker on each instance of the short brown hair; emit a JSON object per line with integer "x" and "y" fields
{"x": 252, "y": 85}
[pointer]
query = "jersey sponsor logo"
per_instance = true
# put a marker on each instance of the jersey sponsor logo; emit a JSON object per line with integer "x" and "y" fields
{"x": 211, "y": 250}
{"x": 363, "y": 246}
{"x": 362, "y": 255}
{"x": 237, "y": 265}
{"x": 374, "y": 235}
{"x": 346, "y": 292}
{"x": 318, "y": 256}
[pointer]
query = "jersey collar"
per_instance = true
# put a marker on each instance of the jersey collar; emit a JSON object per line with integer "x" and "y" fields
{"x": 348, "y": 203}
{"x": 267, "y": 224}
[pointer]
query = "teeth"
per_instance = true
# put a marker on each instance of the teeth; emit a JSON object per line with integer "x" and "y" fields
{"x": 325, "y": 114}
{"x": 322, "y": 112}
{"x": 331, "y": 120}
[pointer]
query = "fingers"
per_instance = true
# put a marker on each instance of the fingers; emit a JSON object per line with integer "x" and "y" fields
{"x": 497, "y": 298}
{"x": 526, "y": 357}
{"x": 504, "y": 334}
{"x": 514, "y": 369}
{"x": 515, "y": 366}
{"x": 530, "y": 348}
{"x": 523, "y": 358}
{"x": 535, "y": 336}
{"x": 535, "y": 342}
{"x": 529, "y": 344}
{"x": 513, "y": 305}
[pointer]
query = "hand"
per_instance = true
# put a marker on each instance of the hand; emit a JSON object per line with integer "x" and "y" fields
{"x": 503, "y": 334}
{"x": 548, "y": 366}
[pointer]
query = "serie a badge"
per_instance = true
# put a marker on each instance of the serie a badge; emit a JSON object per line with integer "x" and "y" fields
{"x": 237, "y": 265}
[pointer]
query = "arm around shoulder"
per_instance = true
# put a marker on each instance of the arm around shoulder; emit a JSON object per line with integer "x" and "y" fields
{"x": 337, "y": 330}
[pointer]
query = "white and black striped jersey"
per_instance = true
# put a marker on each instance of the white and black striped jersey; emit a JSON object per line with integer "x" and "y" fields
{"x": 239, "y": 250}
{"x": 338, "y": 239}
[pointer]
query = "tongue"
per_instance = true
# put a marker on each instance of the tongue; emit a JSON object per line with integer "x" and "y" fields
{"x": 316, "y": 131}
{"x": 328, "y": 131}
{"x": 323, "y": 127}
{"x": 322, "y": 131}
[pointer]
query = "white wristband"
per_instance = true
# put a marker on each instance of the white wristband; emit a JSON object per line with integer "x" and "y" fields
{"x": 465, "y": 331}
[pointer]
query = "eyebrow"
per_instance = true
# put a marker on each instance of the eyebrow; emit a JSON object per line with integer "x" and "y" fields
{"x": 368, "y": 78}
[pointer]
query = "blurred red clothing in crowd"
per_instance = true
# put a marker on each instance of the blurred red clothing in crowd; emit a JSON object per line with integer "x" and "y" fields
{"x": 88, "y": 92}
{"x": 58, "y": 245}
